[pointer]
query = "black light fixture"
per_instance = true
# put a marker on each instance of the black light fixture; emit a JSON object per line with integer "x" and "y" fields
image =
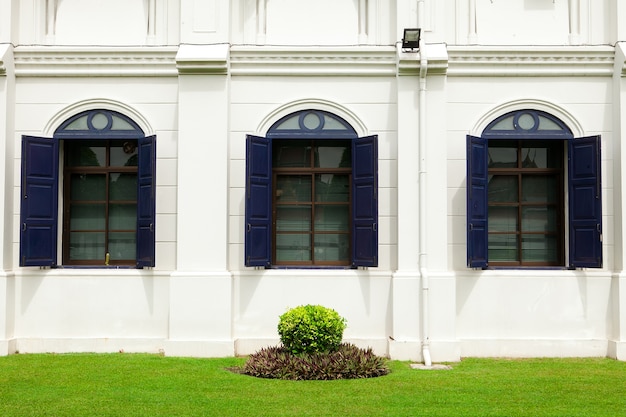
{"x": 411, "y": 39}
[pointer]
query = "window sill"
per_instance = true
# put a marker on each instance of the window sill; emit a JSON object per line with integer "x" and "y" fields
{"x": 95, "y": 267}
{"x": 341, "y": 267}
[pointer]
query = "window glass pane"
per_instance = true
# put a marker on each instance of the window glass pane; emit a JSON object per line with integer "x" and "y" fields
{"x": 293, "y": 218}
{"x": 504, "y": 124}
{"x": 502, "y": 156}
{"x": 291, "y": 153}
{"x": 547, "y": 124}
{"x": 78, "y": 124}
{"x": 539, "y": 248}
{"x": 332, "y": 187}
{"x": 293, "y": 247}
{"x": 88, "y": 187}
{"x": 120, "y": 124}
{"x": 87, "y": 154}
{"x": 330, "y": 123}
{"x": 124, "y": 154}
{"x": 86, "y": 246}
{"x": 502, "y": 219}
{"x": 293, "y": 188}
{"x": 539, "y": 188}
{"x": 311, "y": 121}
{"x": 333, "y": 154}
{"x": 123, "y": 186}
{"x": 332, "y": 218}
{"x": 87, "y": 217}
{"x": 502, "y": 247}
{"x": 122, "y": 245}
{"x": 502, "y": 189}
{"x": 548, "y": 156}
{"x": 122, "y": 216}
{"x": 291, "y": 123}
{"x": 331, "y": 247}
{"x": 538, "y": 219}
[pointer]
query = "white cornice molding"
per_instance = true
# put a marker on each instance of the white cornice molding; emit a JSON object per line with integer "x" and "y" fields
{"x": 482, "y": 61}
{"x": 42, "y": 61}
{"x": 474, "y": 61}
{"x": 313, "y": 60}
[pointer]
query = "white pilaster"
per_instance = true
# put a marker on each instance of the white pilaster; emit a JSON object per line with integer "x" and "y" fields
{"x": 201, "y": 289}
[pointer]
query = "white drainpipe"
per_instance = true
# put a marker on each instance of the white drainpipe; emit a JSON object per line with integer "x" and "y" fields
{"x": 423, "y": 195}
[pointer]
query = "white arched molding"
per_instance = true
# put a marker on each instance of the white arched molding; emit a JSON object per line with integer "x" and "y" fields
{"x": 545, "y": 106}
{"x": 315, "y": 104}
{"x": 106, "y": 104}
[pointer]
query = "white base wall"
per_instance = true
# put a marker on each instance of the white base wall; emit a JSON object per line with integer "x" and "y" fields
{"x": 219, "y": 314}
{"x": 534, "y": 348}
{"x": 617, "y": 350}
{"x": 451, "y": 351}
{"x": 199, "y": 349}
{"x": 88, "y": 345}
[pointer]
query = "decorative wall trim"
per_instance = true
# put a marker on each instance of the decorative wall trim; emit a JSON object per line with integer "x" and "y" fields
{"x": 312, "y": 61}
{"x": 530, "y": 61}
{"x": 4, "y": 56}
{"x": 33, "y": 61}
{"x": 436, "y": 60}
{"x": 261, "y": 23}
{"x": 202, "y": 59}
{"x": 49, "y": 8}
{"x": 620, "y": 59}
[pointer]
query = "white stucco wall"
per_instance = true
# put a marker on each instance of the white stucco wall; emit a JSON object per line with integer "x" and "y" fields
{"x": 202, "y": 75}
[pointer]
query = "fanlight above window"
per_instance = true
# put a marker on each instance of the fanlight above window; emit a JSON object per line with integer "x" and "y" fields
{"x": 527, "y": 124}
{"x": 98, "y": 122}
{"x": 313, "y": 123}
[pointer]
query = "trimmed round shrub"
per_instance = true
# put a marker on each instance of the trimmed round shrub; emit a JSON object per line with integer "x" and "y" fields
{"x": 311, "y": 329}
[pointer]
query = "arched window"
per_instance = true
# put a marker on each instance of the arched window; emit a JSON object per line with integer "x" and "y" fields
{"x": 524, "y": 174}
{"x": 311, "y": 194}
{"x": 108, "y": 193}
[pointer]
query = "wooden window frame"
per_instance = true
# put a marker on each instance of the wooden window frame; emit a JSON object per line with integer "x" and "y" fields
{"x": 311, "y": 171}
{"x": 520, "y": 172}
{"x": 68, "y": 203}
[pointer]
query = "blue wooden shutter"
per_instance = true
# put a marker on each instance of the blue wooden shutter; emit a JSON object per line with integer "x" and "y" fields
{"x": 585, "y": 203}
{"x": 39, "y": 202}
{"x": 365, "y": 201}
{"x": 477, "y": 182}
{"x": 258, "y": 220}
{"x": 146, "y": 210}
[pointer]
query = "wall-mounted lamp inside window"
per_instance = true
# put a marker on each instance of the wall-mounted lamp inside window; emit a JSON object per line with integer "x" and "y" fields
{"x": 411, "y": 39}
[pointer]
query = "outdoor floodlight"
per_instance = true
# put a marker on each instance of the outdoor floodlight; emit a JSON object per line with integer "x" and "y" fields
{"x": 411, "y": 39}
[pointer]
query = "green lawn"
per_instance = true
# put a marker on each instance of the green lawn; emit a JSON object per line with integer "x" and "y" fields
{"x": 151, "y": 385}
